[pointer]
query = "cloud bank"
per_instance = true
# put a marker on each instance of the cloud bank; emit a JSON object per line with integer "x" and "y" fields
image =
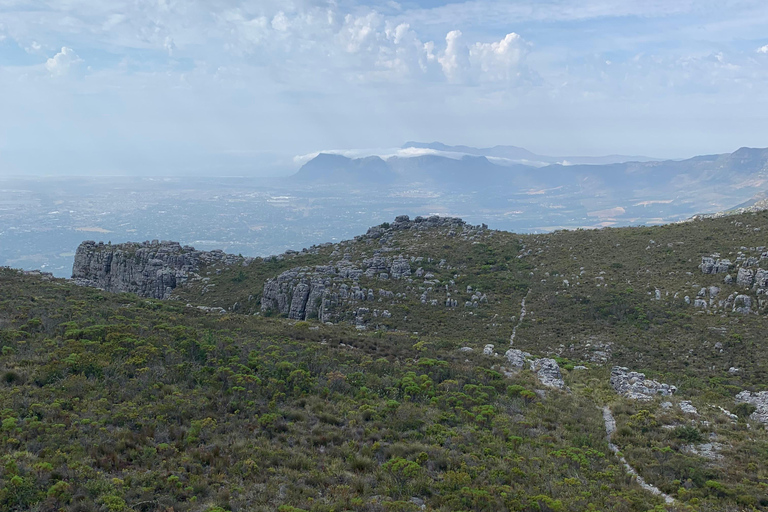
{"x": 155, "y": 81}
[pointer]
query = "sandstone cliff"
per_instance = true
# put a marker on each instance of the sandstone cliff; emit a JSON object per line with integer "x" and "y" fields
{"x": 149, "y": 269}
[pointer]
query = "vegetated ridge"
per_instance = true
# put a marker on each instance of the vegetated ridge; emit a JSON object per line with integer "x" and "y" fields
{"x": 378, "y": 374}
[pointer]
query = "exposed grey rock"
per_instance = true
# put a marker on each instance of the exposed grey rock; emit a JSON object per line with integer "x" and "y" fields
{"x": 711, "y": 266}
{"x": 149, "y": 269}
{"x": 733, "y": 370}
{"x": 742, "y": 304}
{"x": 709, "y": 451}
{"x": 687, "y": 407}
{"x": 700, "y": 303}
{"x": 488, "y": 350}
{"x": 207, "y": 309}
{"x": 516, "y": 358}
{"x": 548, "y": 372}
{"x": 759, "y": 400}
{"x": 635, "y": 386}
{"x": 745, "y": 278}
{"x": 465, "y": 349}
{"x": 666, "y": 405}
{"x": 728, "y": 279}
{"x": 761, "y": 280}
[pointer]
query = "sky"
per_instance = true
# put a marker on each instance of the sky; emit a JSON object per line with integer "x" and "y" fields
{"x": 233, "y": 87}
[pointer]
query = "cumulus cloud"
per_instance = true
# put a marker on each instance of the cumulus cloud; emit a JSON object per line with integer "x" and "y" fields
{"x": 482, "y": 62}
{"x": 359, "y": 32}
{"x": 763, "y": 49}
{"x": 499, "y": 60}
{"x": 61, "y": 63}
{"x": 455, "y": 59}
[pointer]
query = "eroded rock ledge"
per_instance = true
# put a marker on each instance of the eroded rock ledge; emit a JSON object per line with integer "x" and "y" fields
{"x": 148, "y": 269}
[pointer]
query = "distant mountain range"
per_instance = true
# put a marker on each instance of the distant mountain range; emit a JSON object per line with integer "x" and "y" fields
{"x": 522, "y": 155}
{"x": 738, "y": 169}
{"x": 629, "y": 191}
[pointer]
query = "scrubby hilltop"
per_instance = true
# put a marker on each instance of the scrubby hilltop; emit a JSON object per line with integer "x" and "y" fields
{"x": 425, "y": 365}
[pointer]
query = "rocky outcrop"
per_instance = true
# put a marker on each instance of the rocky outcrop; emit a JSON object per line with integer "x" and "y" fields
{"x": 148, "y": 269}
{"x": 759, "y": 400}
{"x": 548, "y": 372}
{"x": 303, "y": 293}
{"x": 745, "y": 278}
{"x": 635, "y": 386}
{"x": 517, "y": 358}
{"x": 710, "y": 265}
{"x": 404, "y": 222}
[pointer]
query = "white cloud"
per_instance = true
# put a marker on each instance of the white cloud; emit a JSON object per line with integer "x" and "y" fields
{"x": 359, "y": 32}
{"x": 763, "y": 49}
{"x": 455, "y": 59}
{"x": 499, "y": 60}
{"x": 280, "y": 22}
{"x": 61, "y": 63}
{"x": 33, "y": 47}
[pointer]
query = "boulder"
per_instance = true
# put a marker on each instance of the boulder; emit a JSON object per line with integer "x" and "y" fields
{"x": 745, "y": 278}
{"x": 516, "y": 358}
{"x": 548, "y": 372}
{"x": 635, "y": 386}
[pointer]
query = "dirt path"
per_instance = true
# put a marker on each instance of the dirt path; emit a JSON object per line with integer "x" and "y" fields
{"x": 520, "y": 320}
{"x": 610, "y": 428}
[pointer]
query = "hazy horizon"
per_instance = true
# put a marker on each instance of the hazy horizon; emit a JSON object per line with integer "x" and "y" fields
{"x": 171, "y": 88}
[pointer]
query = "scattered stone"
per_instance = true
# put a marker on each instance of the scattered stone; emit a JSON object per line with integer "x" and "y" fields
{"x": 709, "y": 451}
{"x": 488, "y": 350}
{"x": 687, "y": 407}
{"x": 759, "y": 400}
{"x": 466, "y": 349}
{"x": 635, "y": 386}
{"x": 220, "y": 311}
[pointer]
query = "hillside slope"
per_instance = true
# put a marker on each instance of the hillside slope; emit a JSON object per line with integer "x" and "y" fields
{"x": 682, "y": 303}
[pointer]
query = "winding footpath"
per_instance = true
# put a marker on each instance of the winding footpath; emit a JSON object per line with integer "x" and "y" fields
{"x": 520, "y": 320}
{"x": 610, "y": 428}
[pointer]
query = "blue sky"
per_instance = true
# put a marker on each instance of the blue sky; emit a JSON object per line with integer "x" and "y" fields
{"x": 166, "y": 86}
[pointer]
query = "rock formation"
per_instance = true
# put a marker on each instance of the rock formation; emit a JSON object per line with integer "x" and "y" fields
{"x": 759, "y": 400}
{"x": 710, "y": 265}
{"x": 149, "y": 269}
{"x": 635, "y": 386}
{"x": 548, "y": 372}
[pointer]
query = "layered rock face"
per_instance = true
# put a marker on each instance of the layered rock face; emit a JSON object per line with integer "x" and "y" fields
{"x": 748, "y": 279}
{"x": 314, "y": 292}
{"x": 148, "y": 269}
